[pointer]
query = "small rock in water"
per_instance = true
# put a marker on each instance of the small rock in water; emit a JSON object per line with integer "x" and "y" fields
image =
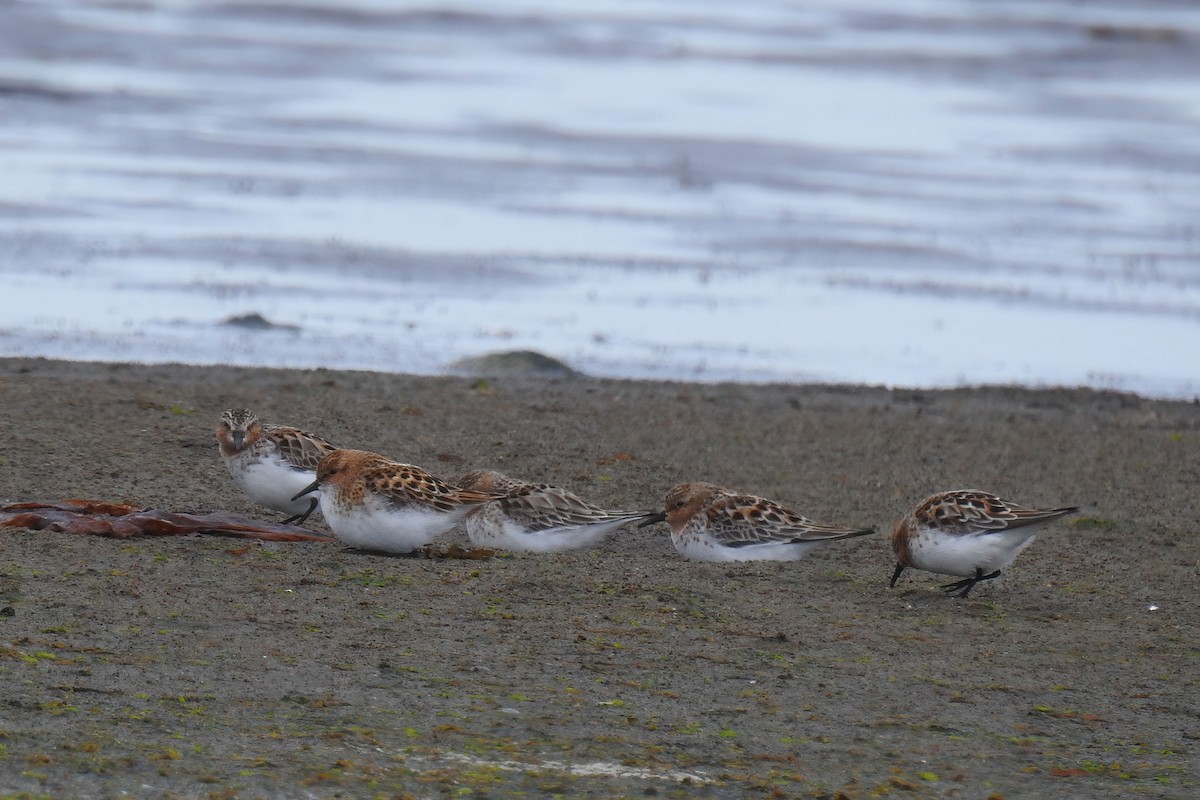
{"x": 257, "y": 322}
{"x": 514, "y": 362}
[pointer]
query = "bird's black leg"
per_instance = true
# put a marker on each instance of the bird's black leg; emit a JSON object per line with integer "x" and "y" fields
{"x": 300, "y": 519}
{"x": 967, "y": 584}
{"x": 896, "y": 576}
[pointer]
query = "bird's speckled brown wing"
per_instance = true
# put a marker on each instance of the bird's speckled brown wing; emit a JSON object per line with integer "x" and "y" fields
{"x": 303, "y": 450}
{"x": 744, "y": 520}
{"x": 972, "y": 512}
{"x": 486, "y": 480}
{"x": 541, "y": 507}
{"x": 405, "y": 485}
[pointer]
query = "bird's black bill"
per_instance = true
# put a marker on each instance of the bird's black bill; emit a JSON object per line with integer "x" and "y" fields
{"x": 312, "y": 487}
{"x": 661, "y": 516}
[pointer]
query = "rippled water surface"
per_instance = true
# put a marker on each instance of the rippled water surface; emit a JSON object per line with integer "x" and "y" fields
{"x": 912, "y": 193}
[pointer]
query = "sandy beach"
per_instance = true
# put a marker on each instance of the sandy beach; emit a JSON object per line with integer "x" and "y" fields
{"x": 213, "y": 667}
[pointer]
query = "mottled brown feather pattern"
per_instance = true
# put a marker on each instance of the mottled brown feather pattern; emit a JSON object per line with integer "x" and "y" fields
{"x": 357, "y": 472}
{"x": 968, "y": 511}
{"x": 302, "y": 449}
{"x": 540, "y": 505}
{"x": 241, "y": 430}
{"x": 737, "y": 520}
{"x": 487, "y": 480}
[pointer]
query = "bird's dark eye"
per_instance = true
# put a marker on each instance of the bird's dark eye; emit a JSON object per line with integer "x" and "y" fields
{"x": 679, "y": 504}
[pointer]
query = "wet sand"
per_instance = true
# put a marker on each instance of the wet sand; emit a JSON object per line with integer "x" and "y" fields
{"x": 211, "y": 667}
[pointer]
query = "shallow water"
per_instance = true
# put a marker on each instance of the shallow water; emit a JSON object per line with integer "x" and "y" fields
{"x": 916, "y": 194}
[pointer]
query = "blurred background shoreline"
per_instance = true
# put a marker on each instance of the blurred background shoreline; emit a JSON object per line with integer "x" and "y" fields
{"x": 927, "y": 194}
